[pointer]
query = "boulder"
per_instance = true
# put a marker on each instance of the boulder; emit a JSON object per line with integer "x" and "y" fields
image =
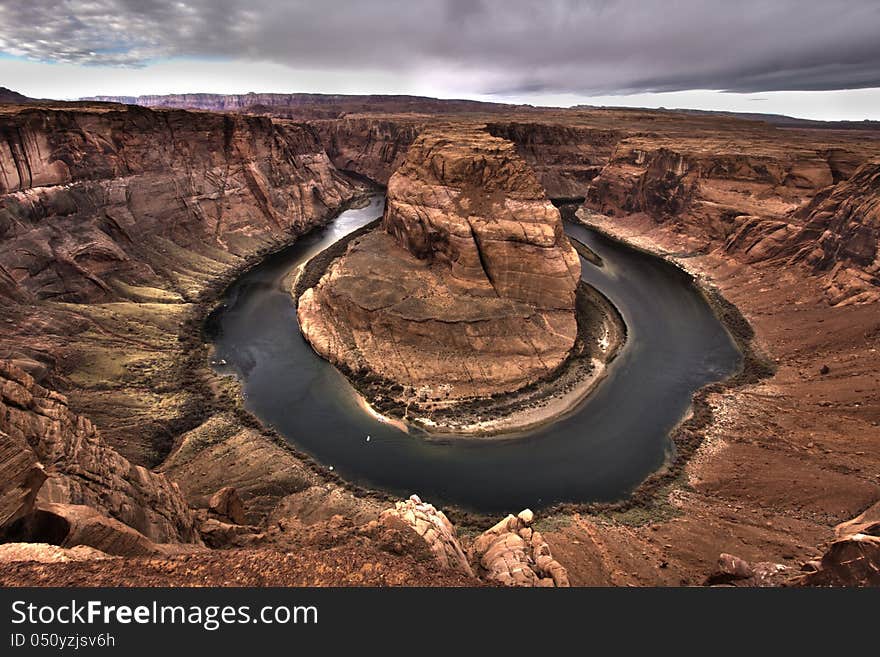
{"x": 853, "y": 559}
{"x": 733, "y": 571}
{"x": 226, "y": 503}
{"x": 219, "y": 534}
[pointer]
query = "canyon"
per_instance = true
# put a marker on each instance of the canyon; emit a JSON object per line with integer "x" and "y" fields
{"x": 120, "y": 225}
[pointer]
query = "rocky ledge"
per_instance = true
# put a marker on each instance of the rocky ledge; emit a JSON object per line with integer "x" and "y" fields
{"x": 467, "y": 291}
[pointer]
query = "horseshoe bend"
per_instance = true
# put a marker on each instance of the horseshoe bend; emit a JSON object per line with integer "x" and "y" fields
{"x": 465, "y": 294}
{"x": 284, "y": 339}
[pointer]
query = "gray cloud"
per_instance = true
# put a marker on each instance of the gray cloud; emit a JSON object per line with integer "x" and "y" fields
{"x": 504, "y": 47}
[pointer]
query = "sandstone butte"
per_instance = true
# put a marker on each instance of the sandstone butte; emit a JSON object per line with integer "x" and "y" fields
{"x": 468, "y": 286}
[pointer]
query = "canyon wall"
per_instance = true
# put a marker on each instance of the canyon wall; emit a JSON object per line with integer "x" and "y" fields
{"x": 565, "y": 158}
{"x": 836, "y": 236}
{"x": 304, "y": 105}
{"x": 808, "y": 204}
{"x": 372, "y": 147}
{"x": 55, "y": 460}
{"x": 115, "y": 222}
{"x": 95, "y": 205}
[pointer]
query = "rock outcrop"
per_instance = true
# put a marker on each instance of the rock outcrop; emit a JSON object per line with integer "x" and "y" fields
{"x": 733, "y": 571}
{"x": 853, "y": 558}
{"x": 513, "y": 553}
{"x": 468, "y": 287}
{"x": 850, "y": 561}
{"x": 21, "y": 477}
{"x": 45, "y": 440}
{"x": 433, "y": 527}
{"x": 705, "y": 182}
{"x": 836, "y": 236}
{"x": 228, "y": 505}
{"x": 71, "y": 525}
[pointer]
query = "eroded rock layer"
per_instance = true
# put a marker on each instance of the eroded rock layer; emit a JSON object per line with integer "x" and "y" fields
{"x": 114, "y": 220}
{"x": 56, "y": 458}
{"x": 836, "y": 235}
{"x": 94, "y": 205}
{"x": 469, "y": 286}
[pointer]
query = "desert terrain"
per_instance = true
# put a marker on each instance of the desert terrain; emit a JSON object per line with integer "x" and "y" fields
{"x": 122, "y": 451}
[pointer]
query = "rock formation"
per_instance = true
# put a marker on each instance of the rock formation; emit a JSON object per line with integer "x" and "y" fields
{"x": 565, "y": 158}
{"x": 836, "y": 235}
{"x": 733, "y": 571}
{"x": 512, "y": 553}
{"x": 369, "y": 146}
{"x": 433, "y": 527}
{"x": 853, "y": 557}
{"x": 62, "y": 472}
{"x": 304, "y": 104}
{"x": 468, "y": 288}
{"x": 114, "y": 220}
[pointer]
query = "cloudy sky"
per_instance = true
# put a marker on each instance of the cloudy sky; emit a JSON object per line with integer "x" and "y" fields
{"x": 803, "y": 58}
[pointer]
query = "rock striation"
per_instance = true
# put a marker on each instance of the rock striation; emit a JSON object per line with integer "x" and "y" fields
{"x": 467, "y": 288}
{"x": 115, "y": 223}
{"x": 373, "y": 147}
{"x": 97, "y": 204}
{"x": 836, "y": 236}
{"x": 565, "y": 158}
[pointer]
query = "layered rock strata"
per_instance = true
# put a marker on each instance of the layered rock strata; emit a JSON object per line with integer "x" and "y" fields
{"x": 96, "y": 204}
{"x": 836, "y": 236}
{"x": 467, "y": 289}
{"x": 114, "y": 224}
{"x": 58, "y": 469}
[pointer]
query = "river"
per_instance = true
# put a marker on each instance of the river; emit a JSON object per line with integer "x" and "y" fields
{"x": 600, "y": 452}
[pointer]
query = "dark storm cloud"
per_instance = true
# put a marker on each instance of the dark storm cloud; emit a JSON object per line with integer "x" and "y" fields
{"x": 610, "y": 46}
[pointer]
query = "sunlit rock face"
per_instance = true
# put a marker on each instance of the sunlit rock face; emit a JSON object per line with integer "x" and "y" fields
{"x": 469, "y": 284}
